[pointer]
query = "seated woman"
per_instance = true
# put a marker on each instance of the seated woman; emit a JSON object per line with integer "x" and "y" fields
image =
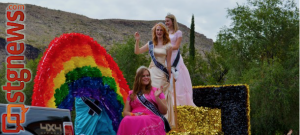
{"x": 144, "y": 108}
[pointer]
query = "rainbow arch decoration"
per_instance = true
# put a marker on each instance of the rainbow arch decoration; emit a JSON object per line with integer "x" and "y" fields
{"x": 75, "y": 65}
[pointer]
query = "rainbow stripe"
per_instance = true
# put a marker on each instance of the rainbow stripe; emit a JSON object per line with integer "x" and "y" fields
{"x": 75, "y": 65}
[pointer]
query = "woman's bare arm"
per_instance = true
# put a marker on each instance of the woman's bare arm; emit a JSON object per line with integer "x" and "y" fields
{"x": 127, "y": 109}
{"x": 137, "y": 49}
{"x": 169, "y": 55}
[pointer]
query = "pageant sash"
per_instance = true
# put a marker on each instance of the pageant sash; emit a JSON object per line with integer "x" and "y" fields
{"x": 153, "y": 109}
{"x": 174, "y": 65}
{"x": 94, "y": 108}
{"x": 175, "y": 62}
{"x": 157, "y": 64}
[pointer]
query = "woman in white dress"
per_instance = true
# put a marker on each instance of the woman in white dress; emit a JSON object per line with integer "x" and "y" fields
{"x": 160, "y": 50}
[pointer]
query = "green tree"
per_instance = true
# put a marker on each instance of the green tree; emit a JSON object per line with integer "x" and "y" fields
{"x": 2, "y": 82}
{"x": 28, "y": 89}
{"x": 261, "y": 48}
{"x": 127, "y": 60}
{"x": 32, "y": 66}
{"x": 216, "y": 68}
{"x": 192, "y": 39}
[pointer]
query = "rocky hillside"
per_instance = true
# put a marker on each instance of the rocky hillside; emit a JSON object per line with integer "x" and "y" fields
{"x": 43, "y": 25}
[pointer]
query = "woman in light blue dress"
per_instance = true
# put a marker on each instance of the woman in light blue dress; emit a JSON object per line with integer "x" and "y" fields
{"x": 87, "y": 124}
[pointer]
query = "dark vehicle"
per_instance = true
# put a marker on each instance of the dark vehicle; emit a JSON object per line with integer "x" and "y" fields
{"x": 41, "y": 121}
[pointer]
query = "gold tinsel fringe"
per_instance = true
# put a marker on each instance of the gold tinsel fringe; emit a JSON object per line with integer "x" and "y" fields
{"x": 198, "y": 121}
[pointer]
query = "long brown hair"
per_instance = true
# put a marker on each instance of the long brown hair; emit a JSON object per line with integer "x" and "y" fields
{"x": 137, "y": 85}
{"x": 174, "y": 21}
{"x": 166, "y": 38}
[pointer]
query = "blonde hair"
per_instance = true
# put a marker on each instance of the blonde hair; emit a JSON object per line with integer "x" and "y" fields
{"x": 166, "y": 38}
{"x": 137, "y": 85}
{"x": 174, "y": 21}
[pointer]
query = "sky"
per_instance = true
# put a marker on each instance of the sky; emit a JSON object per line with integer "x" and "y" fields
{"x": 209, "y": 15}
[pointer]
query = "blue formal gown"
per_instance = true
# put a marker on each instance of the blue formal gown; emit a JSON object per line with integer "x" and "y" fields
{"x": 86, "y": 124}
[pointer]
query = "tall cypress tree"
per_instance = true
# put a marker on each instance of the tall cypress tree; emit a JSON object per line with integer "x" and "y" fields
{"x": 192, "y": 39}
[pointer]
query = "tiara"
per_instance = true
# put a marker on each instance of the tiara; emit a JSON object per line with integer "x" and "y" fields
{"x": 141, "y": 67}
{"x": 159, "y": 23}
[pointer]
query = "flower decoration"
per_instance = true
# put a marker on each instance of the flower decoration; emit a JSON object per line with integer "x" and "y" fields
{"x": 75, "y": 65}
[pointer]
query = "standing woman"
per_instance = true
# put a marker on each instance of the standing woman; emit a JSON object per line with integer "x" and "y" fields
{"x": 183, "y": 85}
{"x": 160, "y": 50}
